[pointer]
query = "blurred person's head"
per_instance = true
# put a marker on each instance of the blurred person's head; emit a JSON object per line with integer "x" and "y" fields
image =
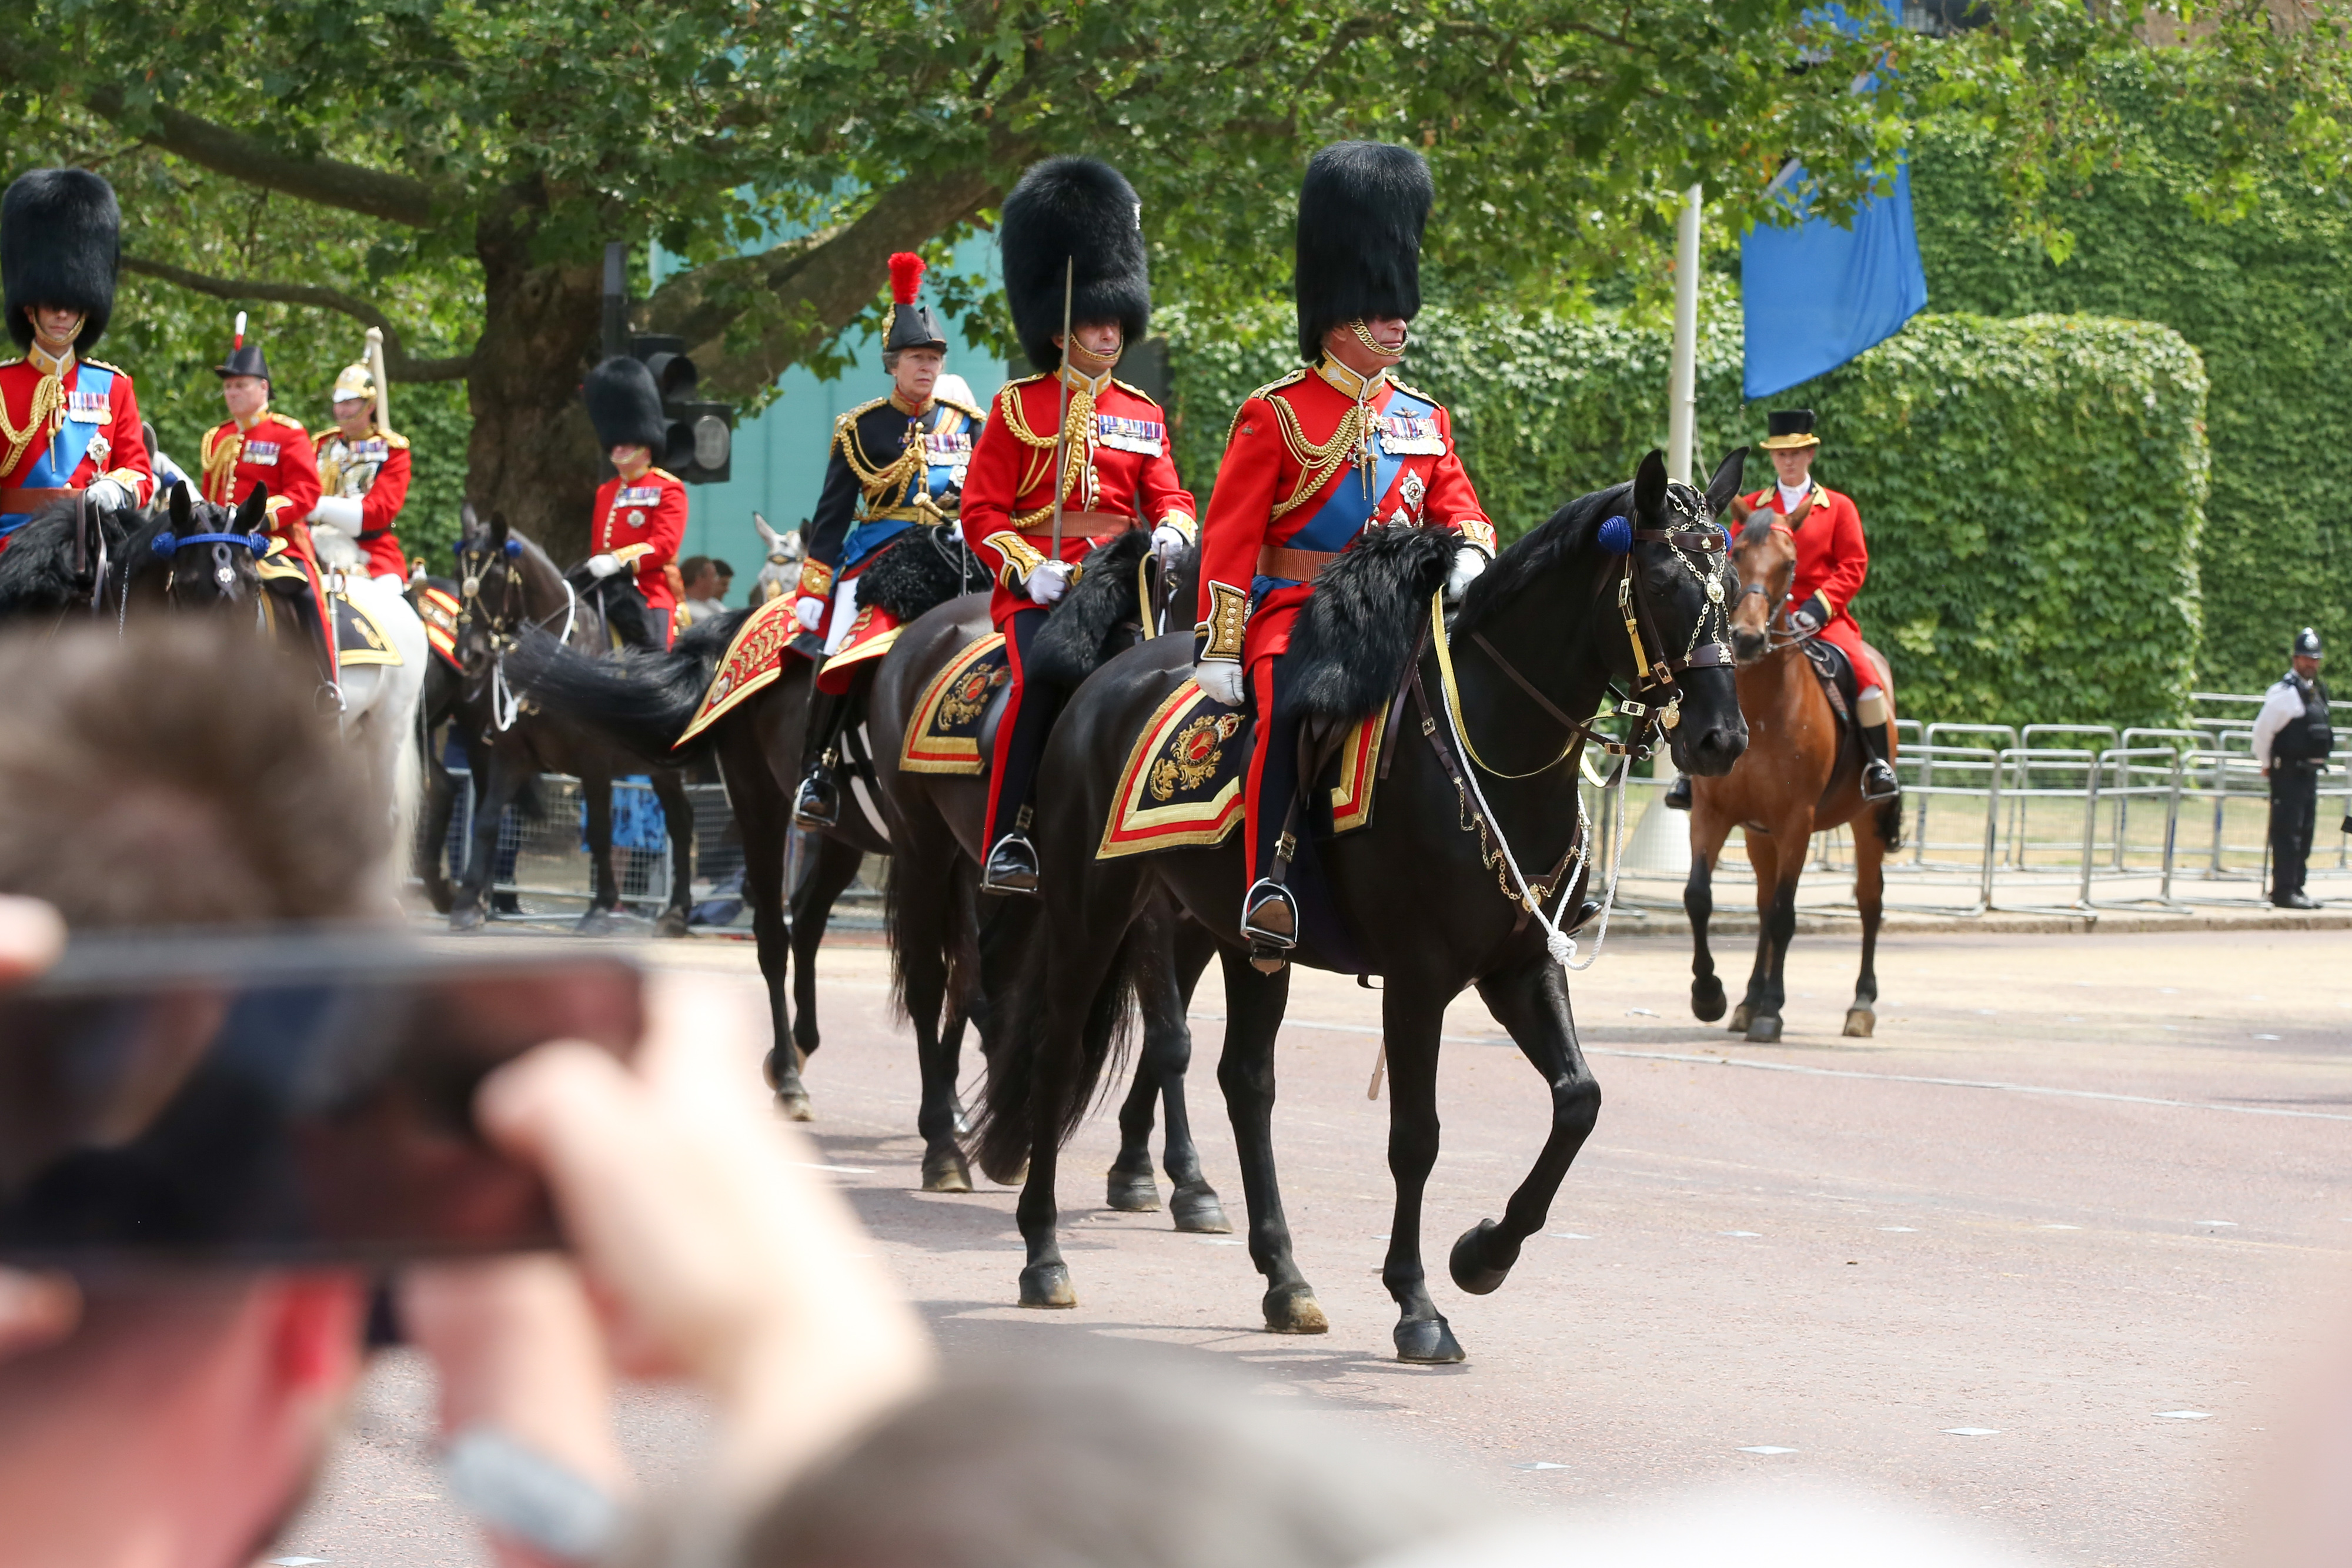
{"x": 176, "y": 774}
{"x": 1020, "y": 1463}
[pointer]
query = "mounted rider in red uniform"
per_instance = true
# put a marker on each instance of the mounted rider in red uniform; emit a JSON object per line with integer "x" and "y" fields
{"x": 1118, "y": 470}
{"x": 640, "y": 516}
{"x": 66, "y": 424}
{"x": 1314, "y": 460}
{"x": 897, "y": 465}
{"x": 1832, "y": 562}
{"x": 364, "y": 474}
{"x": 255, "y": 446}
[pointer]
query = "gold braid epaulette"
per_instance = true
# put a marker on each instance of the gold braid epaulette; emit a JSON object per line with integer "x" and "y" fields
{"x": 1316, "y": 464}
{"x": 46, "y": 419}
{"x": 222, "y": 448}
{"x": 1081, "y": 416}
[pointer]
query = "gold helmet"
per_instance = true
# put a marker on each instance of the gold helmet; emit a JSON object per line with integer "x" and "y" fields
{"x": 353, "y": 381}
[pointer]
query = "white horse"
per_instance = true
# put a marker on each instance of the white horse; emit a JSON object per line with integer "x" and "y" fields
{"x": 782, "y": 570}
{"x": 380, "y": 700}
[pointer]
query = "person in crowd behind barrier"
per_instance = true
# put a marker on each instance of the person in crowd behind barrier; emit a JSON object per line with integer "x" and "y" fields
{"x": 178, "y": 1420}
{"x": 1833, "y": 559}
{"x": 701, "y": 591}
{"x": 640, "y": 516}
{"x": 2292, "y": 740}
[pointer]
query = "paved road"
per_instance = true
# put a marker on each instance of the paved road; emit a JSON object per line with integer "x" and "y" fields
{"x": 2075, "y": 1183}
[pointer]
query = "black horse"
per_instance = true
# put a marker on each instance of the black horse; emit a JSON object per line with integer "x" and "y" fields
{"x": 1428, "y": 894}
{"x": 183, "y": 554}
{"x": 944, "y": 960}
{"x": 509, "y": 587}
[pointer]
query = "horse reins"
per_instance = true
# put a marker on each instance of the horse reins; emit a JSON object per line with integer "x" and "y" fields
{"x": 505, "y": 626}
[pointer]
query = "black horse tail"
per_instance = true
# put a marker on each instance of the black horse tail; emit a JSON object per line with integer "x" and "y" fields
{"x": 933, "y": 930}
{"x": 1033, "y": 1083}
{"x": 645, "y": 701}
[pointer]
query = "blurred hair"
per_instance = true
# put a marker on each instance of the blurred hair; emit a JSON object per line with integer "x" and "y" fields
{"x": 721, "y": 568}
{"x": 689, "y": 567}
{"x": 1024, "y": 1464}
{"x": 178, "y": 773}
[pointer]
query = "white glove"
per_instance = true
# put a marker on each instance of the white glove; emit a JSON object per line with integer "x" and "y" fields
{"x": 1468, "y": 562}
{"x": 1169, "y": 543}
{"x": 1049, "y": 581}
{"x": 603, "y": 566}
{"x": 111, "y": 495}
{"x": 1221, "y": 679}
{"x": 809, "y": 612}
{"x": 343, "y": 511}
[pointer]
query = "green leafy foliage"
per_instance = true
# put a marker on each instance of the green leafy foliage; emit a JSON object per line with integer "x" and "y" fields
{"x": 2266, "y": 298}
{"x": 2032, "y": 488}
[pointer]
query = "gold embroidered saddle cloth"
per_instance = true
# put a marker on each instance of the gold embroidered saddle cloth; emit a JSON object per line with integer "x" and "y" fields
{"x": 1187, "y": 773}
{"x": 951, "y": 730}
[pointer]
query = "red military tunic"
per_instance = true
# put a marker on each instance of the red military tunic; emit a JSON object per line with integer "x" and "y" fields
{"x": 643, "y": 522}
{"x": 64, "y": 424}
{"x": 1121, "y": 474}
{"x": 1294, "y": 490}
{"x": 275, "y": 451}
{"x": 375, "y": 470}
{"x": 1832, "y": 562}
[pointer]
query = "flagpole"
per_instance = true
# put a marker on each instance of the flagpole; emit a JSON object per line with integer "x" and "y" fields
{"x": 1682, "y": 395}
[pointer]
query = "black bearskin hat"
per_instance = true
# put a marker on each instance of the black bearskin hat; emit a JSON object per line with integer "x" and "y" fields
{"x": 626, "y": 406}
{"x": 1078, "y": 209}
{"x": 1360, "y": 213}
{"x": 912, "y": 326}
{"x": 60, "y": 237}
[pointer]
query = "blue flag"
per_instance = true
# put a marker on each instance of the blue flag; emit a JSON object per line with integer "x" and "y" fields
{"x": 1817, "y": 295}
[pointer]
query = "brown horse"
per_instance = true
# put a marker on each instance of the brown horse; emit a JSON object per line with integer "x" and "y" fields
{"x": 1801, "y": 774}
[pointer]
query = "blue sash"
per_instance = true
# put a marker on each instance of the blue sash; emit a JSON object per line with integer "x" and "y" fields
{"x": 53, "y": 470}
{"x": 938, "y": 479}
{"x": 1343, "y": 516}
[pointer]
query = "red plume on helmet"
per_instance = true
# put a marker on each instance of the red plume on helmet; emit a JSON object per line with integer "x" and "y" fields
{"x": 911, "y": 325}
{"x": 905, "y": 276}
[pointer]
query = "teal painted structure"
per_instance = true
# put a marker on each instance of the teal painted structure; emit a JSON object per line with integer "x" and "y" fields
{"x": 779, "y": 457}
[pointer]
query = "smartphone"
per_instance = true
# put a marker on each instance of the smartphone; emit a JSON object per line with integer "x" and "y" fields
{"x": 285, "y": 1096}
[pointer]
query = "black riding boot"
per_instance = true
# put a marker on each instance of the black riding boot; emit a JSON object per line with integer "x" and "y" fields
{"x": 628, "y": 615}
{"x": 1269, "y": 912}
{"x": 818, "y": 803}
{"x": 1677, "y": 796}
{"x": 1012, "y": 862}
{"x": 1878, "y": 780}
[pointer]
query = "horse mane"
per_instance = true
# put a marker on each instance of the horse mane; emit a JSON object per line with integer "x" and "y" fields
{"x": 1537, "y": 553}
{"x": 36, "y": 569}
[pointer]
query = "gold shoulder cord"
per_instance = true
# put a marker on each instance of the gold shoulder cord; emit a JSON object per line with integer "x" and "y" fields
{"x": 881, "y": 483}
{"x": 221, "y": 454}
{"x": 1082, "y": 451}
{"x": 47, "y": 418}
{"x": 1316, "y": 462}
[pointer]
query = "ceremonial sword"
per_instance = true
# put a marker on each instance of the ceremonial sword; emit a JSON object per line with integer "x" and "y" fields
{"x": 1062, "y": 405}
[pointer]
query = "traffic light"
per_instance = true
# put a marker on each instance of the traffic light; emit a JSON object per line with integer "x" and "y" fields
{"x": 701, "y": 433}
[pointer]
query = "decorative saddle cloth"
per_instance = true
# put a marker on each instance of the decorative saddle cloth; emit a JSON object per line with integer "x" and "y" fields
{"x": 755, "y": 658}
{"x": 871, "y": 633}
{"x": 360, "y": 639}
{"x": 1185, "y": 774}
{"x": 439, "y": 606}
{"x": 946, "y": 732}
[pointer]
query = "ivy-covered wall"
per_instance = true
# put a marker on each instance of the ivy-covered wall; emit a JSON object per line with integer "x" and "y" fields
{"x": 2268, "y": 301}
{"x": 2034, "y": 489}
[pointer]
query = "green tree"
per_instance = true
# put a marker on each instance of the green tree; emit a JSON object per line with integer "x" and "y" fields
{"x": 449, "y": 169}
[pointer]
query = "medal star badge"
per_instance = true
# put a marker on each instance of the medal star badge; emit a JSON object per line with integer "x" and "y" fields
{"x": 100, "y": 449}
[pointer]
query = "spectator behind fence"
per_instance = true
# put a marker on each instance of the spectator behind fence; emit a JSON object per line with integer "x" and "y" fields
{"x": 2292, "y": 740}
{"x": 706, "y": 583}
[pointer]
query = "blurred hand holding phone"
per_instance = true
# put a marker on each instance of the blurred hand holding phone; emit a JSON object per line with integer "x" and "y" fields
{"x": 279, "y": 1097}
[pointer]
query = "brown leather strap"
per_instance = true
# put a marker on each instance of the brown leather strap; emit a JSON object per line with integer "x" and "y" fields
{"x": 1084, "y": 526}
{"x": 1294, "y": 565}
{"x": 30, "y": 500}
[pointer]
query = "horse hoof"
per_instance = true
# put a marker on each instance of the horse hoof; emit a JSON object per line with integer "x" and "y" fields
{"x": 469, "y": 918}
{"x": 1468, "y": 1261}
{"x": 946, "y": 1171}
{"x": 1293, "y": 1309}
{"x": 597, "y": 923}
{"x": 795, "y": 1103}
{"x": 671, "y": 923}
{"x": 1739, "y": 1017}
{"x": 1764, "y": 1028}
{"x": 1861, "y": 1023}
{"x": 1018, "y": 1178}
{"x": 1707, "y": 1001}
{"x": 1197, "y": 1211}
{"x": 1429, "y": 1340}
{"x": 1132, "y": 1192}
{"x": 1047, "y": 1287}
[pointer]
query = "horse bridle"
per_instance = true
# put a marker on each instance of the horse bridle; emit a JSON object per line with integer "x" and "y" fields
{"x": 1778, "y": 633}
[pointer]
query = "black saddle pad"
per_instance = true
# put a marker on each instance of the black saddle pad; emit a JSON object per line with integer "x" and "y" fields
{"x": 1838, "y": 677}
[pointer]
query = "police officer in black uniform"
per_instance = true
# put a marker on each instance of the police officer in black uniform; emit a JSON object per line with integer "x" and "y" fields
{"x": 2292, "y": 740}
